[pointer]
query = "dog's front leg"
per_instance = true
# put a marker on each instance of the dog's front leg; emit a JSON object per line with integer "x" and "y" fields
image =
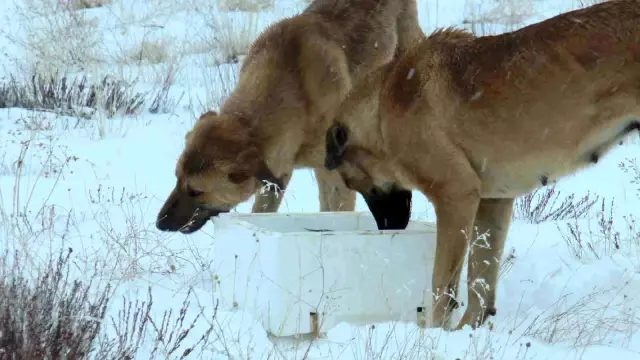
{"x": 333, "y": 192}
{"x": 268, "y": 198}
{"x": 492, "y": 225}
{"x": 455, "y": 203}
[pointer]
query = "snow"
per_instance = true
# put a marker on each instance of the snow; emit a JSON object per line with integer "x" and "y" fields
{"x": 104, "y": 181}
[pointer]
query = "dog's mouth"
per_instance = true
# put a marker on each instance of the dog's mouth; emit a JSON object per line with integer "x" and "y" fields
{"x": 189, "y": 224}
{"x": 199, "y": 219}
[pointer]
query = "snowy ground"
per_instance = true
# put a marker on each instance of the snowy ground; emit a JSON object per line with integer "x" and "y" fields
{"x": 95, "y": 185}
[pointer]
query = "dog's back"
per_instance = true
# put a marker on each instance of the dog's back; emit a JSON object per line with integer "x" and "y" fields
{"x": 554, "y": 95}
{"x": 365, "y": 30}
{"x": 302, "y": 68}
{"x": 598, "y": 38}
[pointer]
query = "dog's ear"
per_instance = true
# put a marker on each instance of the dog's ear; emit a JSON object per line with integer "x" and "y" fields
{"x": 194, "y": 162}
{"x": 250, "y": 164}
{"x": 204, "y": 115}
{"x": 245, "y": 166}
{"x": 209, "y": 113}
{"x": 336, "y": 146}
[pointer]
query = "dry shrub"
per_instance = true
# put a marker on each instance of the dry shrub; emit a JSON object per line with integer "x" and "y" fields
{"x": 542, "y": 205}
{"x": 245, "y": 5}
{"x": 81, "y": 98}
{"x": 604, "y": 242}
{"x": 607, "y": 238}
{"x": 134, "y": 321}
{"x": 587, "y": 321}
{"x": 228, "y": 35}
{"x": 587, "y": 3}
{"x": 51, "y": 317}
{"x": 497, "y": 16}
{"x": 149, "y": 51}
{"x": 54, "y": 317}
{"x": 220, "y": 81}
{"x": 85, "y": 4}
{"x": 162, "y": 102}
{"x": 55, "y": 36}
{"x": 72, "y": 97}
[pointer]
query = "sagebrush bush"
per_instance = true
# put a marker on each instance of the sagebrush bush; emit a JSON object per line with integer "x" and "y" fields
{"x": 169, "y": 337}
{"x": 85, "y": 4}
{"x": 245, "y": 5}
{"x": 56, "y": 34}
{"x": 542, "y": 205}
{"x": 229, "y": 35}
{"x": 78, "y": 97}
{"x": 51, "y": 317}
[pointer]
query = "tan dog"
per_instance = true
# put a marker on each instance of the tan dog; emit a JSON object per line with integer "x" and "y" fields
{"x": 473, "y": 123}
{"x": 293, "y": 79}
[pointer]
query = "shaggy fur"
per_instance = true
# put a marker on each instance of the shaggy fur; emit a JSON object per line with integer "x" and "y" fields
{"x": 473, "y": 122}
{"x": 295, "y": 76}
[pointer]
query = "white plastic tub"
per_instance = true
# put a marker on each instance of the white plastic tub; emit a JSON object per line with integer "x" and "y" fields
{"x": 287, "y": 271}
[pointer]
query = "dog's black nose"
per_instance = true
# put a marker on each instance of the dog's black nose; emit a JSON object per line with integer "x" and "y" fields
{"x": 162, "y": 225}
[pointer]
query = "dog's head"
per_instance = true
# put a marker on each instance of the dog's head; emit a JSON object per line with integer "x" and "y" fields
{"x": 220, "y": 167}
{"x": 389, "y": 203}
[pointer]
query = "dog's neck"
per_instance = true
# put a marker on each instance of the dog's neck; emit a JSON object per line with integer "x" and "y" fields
{"x": 276, "y": 160}
{"x": 280, "y": 143}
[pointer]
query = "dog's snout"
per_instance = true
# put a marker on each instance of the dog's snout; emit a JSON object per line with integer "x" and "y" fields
{"x": 162, "y": 225}
{"x": 165, "y": 219}
{"x": 211, "y": 212}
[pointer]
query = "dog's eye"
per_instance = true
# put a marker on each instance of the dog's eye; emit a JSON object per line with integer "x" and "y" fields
{"x": 194, "y": 193}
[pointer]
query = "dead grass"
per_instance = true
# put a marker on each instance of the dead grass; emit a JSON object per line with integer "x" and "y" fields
{"x": 496, "y": 16}
{"x": 546, "y": 204}
{"x": 78, "y": 42}
{"x": 150, "y": 51}
{"x": 610, "y": 236}
{"x": 52, "y": 317}
{"x": 587, "y": 321}
{"x": 58, "y": 308}
{"x": 80, "y": 98}
{"x": 56, "y": 317}
{"x": 135, "y": 324}
{"x": 245, "y": 5}
{"x": 229, "y": 35}
{"x": 85, "y": 4}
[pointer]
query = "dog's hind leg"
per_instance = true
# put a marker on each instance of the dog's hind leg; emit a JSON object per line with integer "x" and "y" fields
{"x": 269, "y": 200}
{"x": 334, "y": 194}
{"x": 494, "y": 217}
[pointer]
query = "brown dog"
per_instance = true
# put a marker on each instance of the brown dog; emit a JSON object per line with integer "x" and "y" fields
{"x": 474, "y": 122}
{"x": 293, "y": 79}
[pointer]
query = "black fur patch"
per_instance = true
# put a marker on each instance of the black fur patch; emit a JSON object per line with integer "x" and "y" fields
{"x": 544, "y": 180}
{"x": 391, "y": 209}
{"x": 336, "y": 146}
